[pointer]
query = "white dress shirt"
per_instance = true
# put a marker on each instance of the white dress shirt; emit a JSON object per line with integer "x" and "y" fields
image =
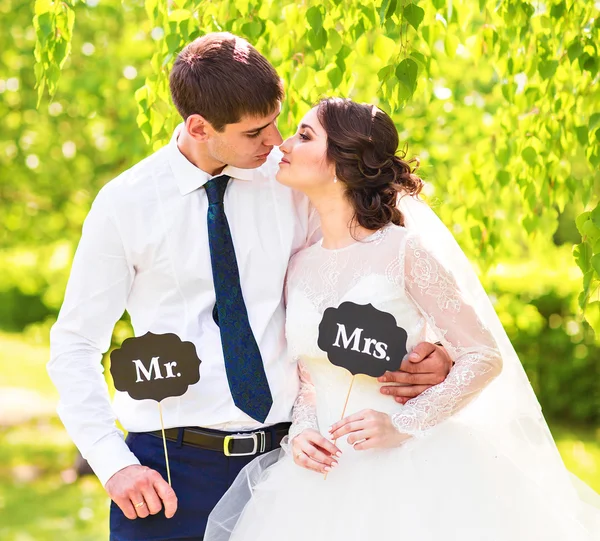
{"x": 144, "y": 249}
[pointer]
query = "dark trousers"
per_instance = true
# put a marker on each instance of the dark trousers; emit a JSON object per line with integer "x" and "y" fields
{"x": 199, "y": 479}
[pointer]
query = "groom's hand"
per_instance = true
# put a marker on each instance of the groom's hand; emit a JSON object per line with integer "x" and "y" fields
{"x": 140, "y": 491}
{"x": 426, "y": 366}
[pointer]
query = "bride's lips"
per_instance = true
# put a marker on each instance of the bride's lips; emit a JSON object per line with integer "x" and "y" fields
{"x": 284, "y": 161}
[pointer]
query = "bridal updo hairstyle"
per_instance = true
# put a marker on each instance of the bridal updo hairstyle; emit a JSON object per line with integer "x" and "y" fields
{"x": 362, "y": 142}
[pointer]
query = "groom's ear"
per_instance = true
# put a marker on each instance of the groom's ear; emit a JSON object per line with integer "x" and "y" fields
{"x": 199, "y": 128}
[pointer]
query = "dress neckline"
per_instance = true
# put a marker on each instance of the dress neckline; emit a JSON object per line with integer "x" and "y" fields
{"x": 376, "y": 235}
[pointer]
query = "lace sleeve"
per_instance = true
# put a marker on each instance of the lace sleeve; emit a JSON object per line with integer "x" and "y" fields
{"x": 470, "y": 345}
{"x": 304, "y": 414}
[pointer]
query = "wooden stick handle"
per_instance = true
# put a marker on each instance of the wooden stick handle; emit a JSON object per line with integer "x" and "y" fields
{"x": 162, "y": 427}
{"x": 343, "y": 413}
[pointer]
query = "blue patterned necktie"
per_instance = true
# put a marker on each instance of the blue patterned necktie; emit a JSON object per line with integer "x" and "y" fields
{"x": 245, "y": 370}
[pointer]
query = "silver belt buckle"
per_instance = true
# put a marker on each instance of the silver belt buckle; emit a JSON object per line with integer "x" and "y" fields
{"x": 259, "y": 446}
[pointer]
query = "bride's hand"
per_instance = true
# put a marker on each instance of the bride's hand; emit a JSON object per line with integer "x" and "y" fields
{"x": 369, "y": 429}
{"x": 314, "y": 452}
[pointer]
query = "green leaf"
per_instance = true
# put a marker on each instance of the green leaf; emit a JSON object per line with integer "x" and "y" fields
{"x": 370, "y": 15}
{"x": 557, "y": 10}
{"x": 406, "y": 72}
{"x": 60, "y": 51}
{"x": 45, "y": 24}
{"x": 300, "y": 77}
{"x": 574, "y": 50}
{"x": 358, "y": 30}
{"x": 334, "y": 41}
{"x": 594, "y": 158}
{"x": 547, "y": 68}
{"x": 315, "y": 18}
{"x": 590, "y": 232}
{"x": 503, "y": 177}
{"x": 386, "y": 10}
{"x": 596, "y": 264}
{"x": 414, "y": 15}
{"x": 317, "y": 39}
{"x": 594, "y": 121}
{"x": 335, "y": 76}
{"x": 592, "y": 316}
{"x": 385, "y": 73}
{"x": 582, "y": 135}
{"x": 591, "y": 65}
{"x": 420, "y": 58}
{"x": 341, "y": 56}
{"x": 173, "y": 41}
{"x": 587, "y": 63}
{"x": 529, "y": 155}
{"x": 583, "y": 255}
{"x": 254, "y": 29}
{"x": 580, "y": 221}
{"x": 595, "y": 216}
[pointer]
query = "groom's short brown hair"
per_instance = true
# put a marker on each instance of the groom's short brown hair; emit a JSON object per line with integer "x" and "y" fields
{"x": 223, "y": 78}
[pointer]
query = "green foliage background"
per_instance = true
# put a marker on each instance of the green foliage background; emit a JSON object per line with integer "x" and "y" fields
{"x": 499, "y": 99}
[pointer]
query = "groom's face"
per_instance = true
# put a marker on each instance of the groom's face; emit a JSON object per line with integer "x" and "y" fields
{"x": 247, "y": 143}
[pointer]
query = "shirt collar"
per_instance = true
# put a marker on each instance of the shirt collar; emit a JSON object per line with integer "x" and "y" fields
{"x": 189, "y": 177}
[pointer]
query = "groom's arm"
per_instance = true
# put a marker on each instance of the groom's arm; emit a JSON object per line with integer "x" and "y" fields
{"x": 427, "y": 365}
{"x": 100, "y": 281}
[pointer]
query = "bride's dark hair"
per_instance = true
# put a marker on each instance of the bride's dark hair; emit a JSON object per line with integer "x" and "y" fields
{"x": 362, "y": 142}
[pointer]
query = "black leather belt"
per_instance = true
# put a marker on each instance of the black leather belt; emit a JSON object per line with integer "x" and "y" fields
{"x": 228, "y": 443}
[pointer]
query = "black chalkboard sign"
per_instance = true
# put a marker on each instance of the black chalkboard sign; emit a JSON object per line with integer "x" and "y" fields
{"x": 362, "y": 339}
{"x": 155, "y": 366}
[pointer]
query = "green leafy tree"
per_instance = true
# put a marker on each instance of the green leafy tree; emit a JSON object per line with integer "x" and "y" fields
{"x": 535, "y": 66}
{"x": 507, "y": 148}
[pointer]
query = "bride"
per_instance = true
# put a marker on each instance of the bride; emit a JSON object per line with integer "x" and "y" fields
{"x": 470, "y": 459}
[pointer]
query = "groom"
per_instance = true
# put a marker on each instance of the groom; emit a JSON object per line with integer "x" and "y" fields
{"x": 194, "y": 240}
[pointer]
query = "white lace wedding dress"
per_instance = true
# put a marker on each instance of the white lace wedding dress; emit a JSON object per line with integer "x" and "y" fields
{"x": 447, "y": 482}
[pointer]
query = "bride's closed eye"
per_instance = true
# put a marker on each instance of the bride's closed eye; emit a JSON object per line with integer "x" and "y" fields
{"x": 303, "y": 136}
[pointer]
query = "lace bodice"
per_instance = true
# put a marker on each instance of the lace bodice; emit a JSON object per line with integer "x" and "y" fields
{"x": 392, "y": 271}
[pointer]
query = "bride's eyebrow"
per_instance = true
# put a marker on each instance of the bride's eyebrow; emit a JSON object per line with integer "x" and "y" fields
{"x": 303, "y": 126}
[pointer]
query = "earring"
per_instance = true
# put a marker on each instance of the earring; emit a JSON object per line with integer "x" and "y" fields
{"x": 334, "y": 179}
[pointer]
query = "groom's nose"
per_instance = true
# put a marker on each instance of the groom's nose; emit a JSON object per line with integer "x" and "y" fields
{"x": 272, "y": 136}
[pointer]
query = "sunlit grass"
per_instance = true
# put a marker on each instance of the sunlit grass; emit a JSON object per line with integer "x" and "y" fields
{"x": 40, "y": 499}
{"x": 580, "y": 450}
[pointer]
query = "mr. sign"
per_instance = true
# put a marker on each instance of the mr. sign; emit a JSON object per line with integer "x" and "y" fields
{"x": 155, "y": 366}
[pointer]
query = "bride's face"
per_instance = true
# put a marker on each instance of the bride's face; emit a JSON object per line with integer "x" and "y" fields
{"x": 304, "y": 165}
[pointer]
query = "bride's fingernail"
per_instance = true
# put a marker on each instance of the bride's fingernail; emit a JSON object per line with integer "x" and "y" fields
{"x": 334, "y": 464}
{"x": 338, "y": 454}
{"x": 326, "y": 468}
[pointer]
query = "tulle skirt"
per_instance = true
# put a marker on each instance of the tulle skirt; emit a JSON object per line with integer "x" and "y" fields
{"x": 449, "y": 485}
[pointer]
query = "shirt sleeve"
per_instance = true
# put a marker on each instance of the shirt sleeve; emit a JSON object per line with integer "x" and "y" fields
{"x": 95, "y": 298}
{"x": 469, "y": 343}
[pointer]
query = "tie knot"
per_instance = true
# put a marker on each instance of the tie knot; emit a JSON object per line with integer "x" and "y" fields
{"x": 215, "y": 189}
